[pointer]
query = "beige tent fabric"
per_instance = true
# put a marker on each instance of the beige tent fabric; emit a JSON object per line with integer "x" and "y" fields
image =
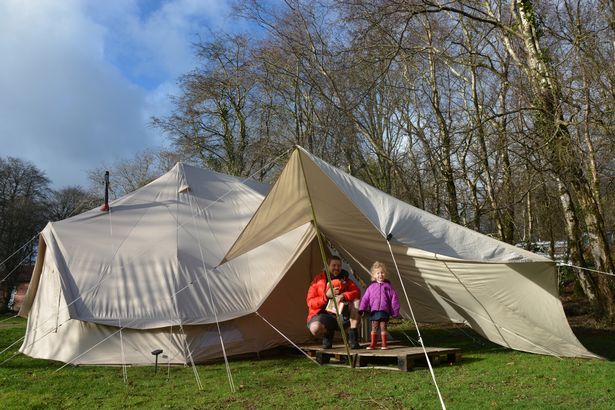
{"x": 52, "y": 334}
{"x": 280, "y": 212}
{"x": 34, "y": 281}
{"x": 148, "y": 266}
{"x": 150, "y": 261}
{"x": 450, "y": 273}
{"x": 339, "y": 199}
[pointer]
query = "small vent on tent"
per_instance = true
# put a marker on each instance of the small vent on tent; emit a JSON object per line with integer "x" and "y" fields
{"x": 183, "y": 189}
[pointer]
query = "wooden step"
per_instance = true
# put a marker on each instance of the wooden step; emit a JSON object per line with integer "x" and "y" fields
{"x": 396, "y": 357}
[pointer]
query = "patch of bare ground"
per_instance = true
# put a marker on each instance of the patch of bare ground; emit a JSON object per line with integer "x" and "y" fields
{"x": 579, "y": 313}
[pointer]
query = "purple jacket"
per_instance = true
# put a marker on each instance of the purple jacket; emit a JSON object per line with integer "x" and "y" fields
{"x": 380, "y": 296}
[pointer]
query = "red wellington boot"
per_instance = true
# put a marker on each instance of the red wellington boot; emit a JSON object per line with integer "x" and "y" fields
{"x": 383, "y": 338}
{"x": 372, "y": 342}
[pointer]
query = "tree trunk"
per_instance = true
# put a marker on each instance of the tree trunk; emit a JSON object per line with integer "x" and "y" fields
{"x": 564, "y": 156}
{"x": 575, "y": 246}
{"x": 528, "y": 236}
{"x": 507, "y": 188}
{"x": 446, "y": 166}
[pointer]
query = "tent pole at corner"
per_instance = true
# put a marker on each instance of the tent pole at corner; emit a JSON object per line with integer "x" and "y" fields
{"x": 338, "y": 315}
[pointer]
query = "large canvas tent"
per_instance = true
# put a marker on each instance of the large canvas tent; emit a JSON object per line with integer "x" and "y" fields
{"x": 449, "y": 273}
{"x": 111, "y": 287}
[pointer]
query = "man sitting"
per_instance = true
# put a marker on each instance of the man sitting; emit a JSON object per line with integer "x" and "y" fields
{"x": 322, "y": 323}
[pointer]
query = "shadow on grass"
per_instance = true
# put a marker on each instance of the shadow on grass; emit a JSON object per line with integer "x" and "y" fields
{"x": 19, "y": 363}
{"x": 599, "y": 341}
{"x": 458, "y": 337}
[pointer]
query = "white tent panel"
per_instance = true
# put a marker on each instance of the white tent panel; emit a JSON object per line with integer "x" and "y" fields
{"x": 150, "y": 261}
{"x": 53, "y": 334}
{"x": 148, "y": 266}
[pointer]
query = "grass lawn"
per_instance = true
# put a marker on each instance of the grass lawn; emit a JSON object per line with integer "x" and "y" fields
{"x": 488, "y": 377}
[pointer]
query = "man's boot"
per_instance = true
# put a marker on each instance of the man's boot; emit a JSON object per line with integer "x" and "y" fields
{"x": 372, "y": 342}
{"x": 353, "y": 338}
{"x": 383, "y": 338}
{"x": 327, "y": 339}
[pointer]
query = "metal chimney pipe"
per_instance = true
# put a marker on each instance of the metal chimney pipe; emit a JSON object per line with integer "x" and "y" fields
{"x": 105, "y": 207}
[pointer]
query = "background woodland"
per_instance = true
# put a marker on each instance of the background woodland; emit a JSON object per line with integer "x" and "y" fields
{"x": 496, "y": 115}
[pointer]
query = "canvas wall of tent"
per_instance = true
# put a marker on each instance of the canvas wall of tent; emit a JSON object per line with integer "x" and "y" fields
{"x": 109, "y": 288}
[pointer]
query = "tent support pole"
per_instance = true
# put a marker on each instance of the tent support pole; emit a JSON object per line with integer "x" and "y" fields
{"x": 124, "y": 371}
{"x": 285, "y": 337}
{"x": 229, "y": 374}
{"x": 433, "y": 376}
{"x": 321, "y": 245}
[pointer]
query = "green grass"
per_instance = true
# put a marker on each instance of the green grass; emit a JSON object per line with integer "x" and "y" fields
{"x": 487, "y": 377}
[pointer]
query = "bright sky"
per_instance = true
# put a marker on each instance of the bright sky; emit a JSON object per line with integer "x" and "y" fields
{"x": 80, "y": 79}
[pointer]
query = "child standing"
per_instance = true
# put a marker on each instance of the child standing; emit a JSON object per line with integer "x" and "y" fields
{"x": 381, "y": 300}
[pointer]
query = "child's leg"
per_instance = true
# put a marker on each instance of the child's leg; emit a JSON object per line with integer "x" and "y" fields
{"x": 355, "y": 316}
{"x": 375, "y": 326}
{"x": 383, "y": 334}
{"x": 373, "y": 335}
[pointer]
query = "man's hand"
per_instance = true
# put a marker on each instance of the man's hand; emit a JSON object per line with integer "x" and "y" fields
{"x": 330, "y": 294}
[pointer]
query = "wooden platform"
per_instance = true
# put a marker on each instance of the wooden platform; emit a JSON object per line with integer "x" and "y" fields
{"x": 397, "y": 357}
